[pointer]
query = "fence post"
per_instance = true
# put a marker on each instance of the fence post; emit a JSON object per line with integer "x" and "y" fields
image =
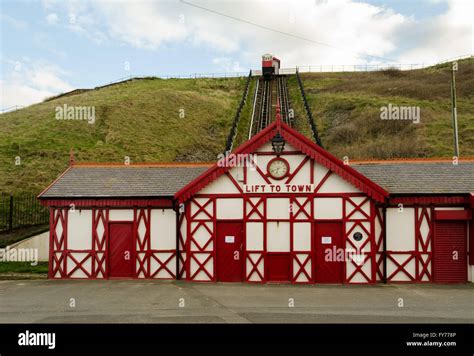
{"x": 10, "y": 217}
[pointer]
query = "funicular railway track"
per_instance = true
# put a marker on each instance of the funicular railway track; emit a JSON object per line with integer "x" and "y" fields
{"x": 267, "y": 93}
{"x": 272, "y": 90}
{"x": 286, "y": 111}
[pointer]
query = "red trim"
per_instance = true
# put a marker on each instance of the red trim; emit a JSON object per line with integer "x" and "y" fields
{"x": 427, "y": 200}
{"x": 53, "y": 182}
{"x": 424, "y": 254}
{"x": 109, "y": 202}
{"x": 298, "y": 169}
{"x": 471, "y": 241}
{"x": 453, "y": 214}
{"x": 301, "y": 143}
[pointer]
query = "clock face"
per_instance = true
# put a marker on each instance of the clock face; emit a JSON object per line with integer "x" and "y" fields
{"x": 278, "y": 168}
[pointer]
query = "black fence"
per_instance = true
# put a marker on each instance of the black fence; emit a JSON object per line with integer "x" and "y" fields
{"x": 21, "y": 211}
{"x": 309, "y": 114}
{"x": 235, "y": 123}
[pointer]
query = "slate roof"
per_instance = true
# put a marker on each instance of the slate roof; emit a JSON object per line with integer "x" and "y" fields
{"x": 165, "y": 181}
{"x": 420, "y": 177}
{"x": 120, "y": 181}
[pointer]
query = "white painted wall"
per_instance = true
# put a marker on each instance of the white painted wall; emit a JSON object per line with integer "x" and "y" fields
{"x": 79, "y": 229}
{"x": 356, "y": 213}
{"x": 163, "y": 229}
{"x": 230, "y": 208}
{"x": 254, "y": 277}
{"x": 201, "y": 276}
{"x": 209, "y": 208}
{"x": 87, "y": 265}
{"x": 121, "y": 215}
{"x": 278, "y": 208}
{"x": 401, "y": 237}
{"x": 335, "y": 184}
{"x": 302, "y": 236}
{"x": 319, "y": 173}
{"x": 254, "y": 236}
{"x": 163, "y": 273}
{"x": 40, "y": 243}
{"x": 202, "y": 235}
{"x": 220, "y": 186}
{"x": 401, "y": 229}
{"x": 328, "y": 208}
{"x": 278, "y": 237}
{"x": 302, "y": 177}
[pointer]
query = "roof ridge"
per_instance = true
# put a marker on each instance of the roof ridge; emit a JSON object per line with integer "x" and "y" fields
{"x": 142, "y": 164}
{"x": 411, "y": 160}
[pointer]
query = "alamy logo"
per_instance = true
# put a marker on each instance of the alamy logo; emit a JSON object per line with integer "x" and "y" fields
{"x": 393, "y": 112}
{"x": 19, "y": 255}
{"x": 237, "y": 160}
{"x": 86, "y": 113}
{"x": 37, "y": 339}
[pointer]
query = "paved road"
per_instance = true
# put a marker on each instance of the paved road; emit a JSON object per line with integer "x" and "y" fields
{"x": 49, "y": 301}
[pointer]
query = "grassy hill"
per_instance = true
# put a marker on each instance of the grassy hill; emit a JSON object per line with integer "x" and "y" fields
{"x": 346, "y": 107}
{"x": 141, "y": 119}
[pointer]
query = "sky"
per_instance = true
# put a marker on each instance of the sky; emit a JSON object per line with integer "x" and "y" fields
{"x": 50, "y": 47}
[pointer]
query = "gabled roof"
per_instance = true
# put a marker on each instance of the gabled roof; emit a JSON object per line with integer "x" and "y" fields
{"x": 119, "y": 181}
{"x": 300, "y": 142}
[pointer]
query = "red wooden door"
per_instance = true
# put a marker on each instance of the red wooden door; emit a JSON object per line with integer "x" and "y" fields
{"x": 328, "y": 252}
{"x": 278, "y": 267}
{"x": 450, "y": 255}
{"x": 229, "y": 251}
{"x": 120, "y": 249}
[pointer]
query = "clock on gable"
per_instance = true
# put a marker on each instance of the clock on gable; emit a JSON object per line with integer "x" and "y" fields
{"x": 278, "y": 168}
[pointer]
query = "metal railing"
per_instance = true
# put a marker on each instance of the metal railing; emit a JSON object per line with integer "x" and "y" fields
{"x": 11, "y": 108}
{"x": 235, "y": 123}
{"x": 20, "y": 211}
{"x": 309, "y": 115}
{"x": 257, "y": 72}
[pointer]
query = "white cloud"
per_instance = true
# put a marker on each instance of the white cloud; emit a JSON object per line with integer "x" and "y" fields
{"x": 351, "y": 28}
{"x": 443, "y": 37}
{"x": 17, "y": 24}
{"x": 28, "y": 82}
{"x": 227, "y": 64}
{"x": 52, "y": 19}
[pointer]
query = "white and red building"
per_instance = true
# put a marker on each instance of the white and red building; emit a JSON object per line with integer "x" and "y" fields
{"x": 299, "y": 216}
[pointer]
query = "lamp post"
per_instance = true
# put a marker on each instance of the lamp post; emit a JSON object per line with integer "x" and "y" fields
{"x": 454, "y": 109}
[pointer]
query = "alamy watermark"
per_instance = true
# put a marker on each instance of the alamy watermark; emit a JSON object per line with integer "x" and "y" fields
{"x": 29, "y": 338}
{"x": 237, "y": 160}
{"x": 334, "y": 254}
{"x": 394, "y": 112}
{"x": 8, "y": 254}
{"x": 66, "y": 112}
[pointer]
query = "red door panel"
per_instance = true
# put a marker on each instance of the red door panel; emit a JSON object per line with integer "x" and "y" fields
{"x": 450, "y": 255}
{"x": 278, "y": 267}
{"x": 328, "y": 235}
{"x": 229, "y": 251}
{"x": 120, "y": 250}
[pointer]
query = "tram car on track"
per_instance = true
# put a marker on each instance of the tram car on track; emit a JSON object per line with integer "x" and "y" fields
{"x": 270, "y": 66}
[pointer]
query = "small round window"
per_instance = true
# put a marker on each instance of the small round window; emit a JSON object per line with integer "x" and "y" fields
{"x": 357, "y": 236}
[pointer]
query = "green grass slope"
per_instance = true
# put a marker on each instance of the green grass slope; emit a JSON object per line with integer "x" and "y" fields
{"x": 140, "y": 119}
{"x": 346, "y": 108}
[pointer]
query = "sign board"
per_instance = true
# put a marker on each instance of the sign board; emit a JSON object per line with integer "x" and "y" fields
{"x": 326, "y": 240}
{"x": 229, "y": 239}
{"x": 278, "y": 188}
